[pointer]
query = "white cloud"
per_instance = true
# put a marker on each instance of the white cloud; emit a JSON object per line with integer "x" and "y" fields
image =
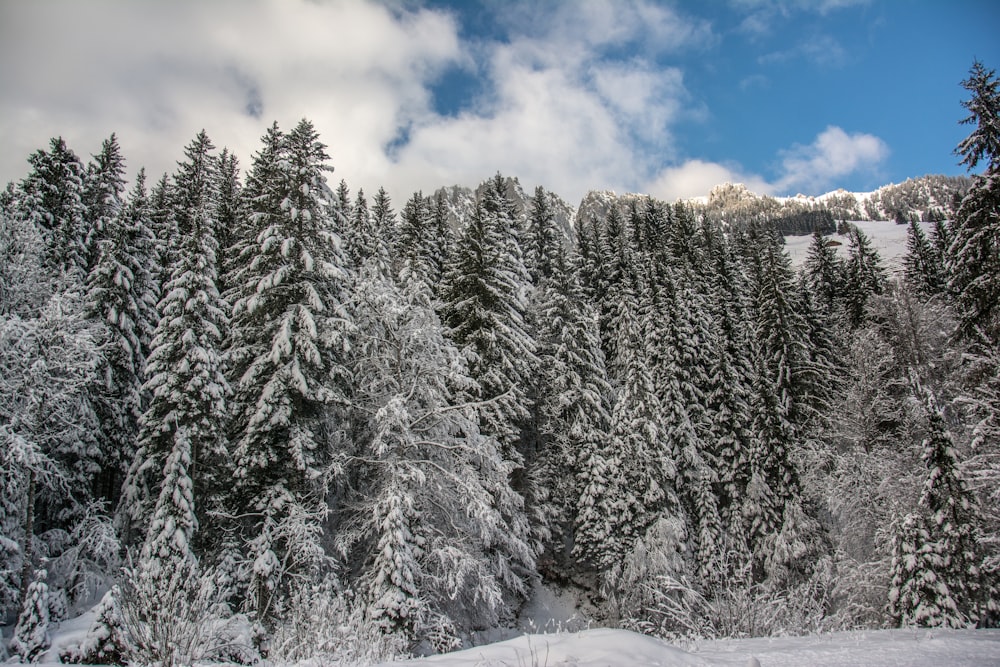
{"x": 560, "y": 106}
{"x": 695, "y": 178}
{"x": 834, "y": 154}
{"x": 156, "y": 73}
{"x": 812, "y": 169}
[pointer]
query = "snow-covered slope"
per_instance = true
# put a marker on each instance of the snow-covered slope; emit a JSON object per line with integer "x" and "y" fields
{"x": 620, "y": 648}
{"x": 888, "y": 238}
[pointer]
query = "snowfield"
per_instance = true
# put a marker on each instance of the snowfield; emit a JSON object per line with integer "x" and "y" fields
{"x": 888, "y": 238}
{"x": 620, "y": 648}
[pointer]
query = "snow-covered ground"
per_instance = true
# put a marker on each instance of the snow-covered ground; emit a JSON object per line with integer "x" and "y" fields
{"x": 603, "y": 647}
{"x": 888, "y": 238}
{"x": 619, "y": 648}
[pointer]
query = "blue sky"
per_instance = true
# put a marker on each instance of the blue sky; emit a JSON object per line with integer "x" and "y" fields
{"x": 667, "y": 98}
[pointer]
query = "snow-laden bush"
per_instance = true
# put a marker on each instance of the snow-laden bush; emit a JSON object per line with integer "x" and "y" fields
{"x": 82, "y": 563}
{"x": 179, "y": 618}
{"x": 324, "y": 624}
{"x": 104, "y": 643}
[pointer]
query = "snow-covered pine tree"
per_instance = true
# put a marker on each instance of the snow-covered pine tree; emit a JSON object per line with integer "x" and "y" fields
{"x": 164, "y": 228}
{"x": 342, "y": 202}
{"x": 779, "y": 353}
{"x": 52, "y": 197}
{"x": 443, "y": 238}
{"x": 372, "y": 235}
{"x": 683, "y": 239}
{"x": 677, "y": 338}
{"x": 416, "y": 238}
{"x": 290, "y": 335}
{"x": 938, "y": 577}
{"x": 446, "y": 536}
{"x": 484, "y": 305}
{"x": 25, "y": 283}
{"x": 184, "y": 369}
{"x": 974, "y": 253}
{"x": 865, "y": 276}
{"x": 574, "y": 398}
{"x": 728, "y": 389}
{"x": 102, "y": 190}
{"x": 167, "y": 549}
{"x": 543, "y": 239}
{"x": 922, "y": 265}
{"x": 122, "y": 296}
{"x": 356, "y": 236}
{"x": 824, "y": 273}
{"x": 31, "y": 634}
{"x": 228, "y": 216}
{"x": 630, "y": 477}
{"x": 47, "y": 423}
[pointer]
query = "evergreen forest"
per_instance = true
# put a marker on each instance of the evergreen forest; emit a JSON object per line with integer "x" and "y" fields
{"x": 249, "y": 412}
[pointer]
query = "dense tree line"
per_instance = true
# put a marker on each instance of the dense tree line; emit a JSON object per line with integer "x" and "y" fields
{"x": 233, "y": 398}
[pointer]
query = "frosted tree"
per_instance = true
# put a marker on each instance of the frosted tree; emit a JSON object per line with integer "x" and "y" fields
{"x": 678, "y": 337}
{"x": 31, "y": 634}
{"x": 52, "y": 198}
{"x": 865, "y": 276}
{"x": 630, "y": 479}
{"x": 104, "y": 643}
{"x": 937, "y": 569}
{"x": 443, "y": 240}
{"x": 228, "y": 216}
{"x": 435, "y": 523}
{"x": 825, "y": 272}
{"x": 923, "y": 265}
{"x": 102, "y": 193}
{"x": 122, "y": 296}
{"x": 574, "y": 396}
{"x": 357, "y": 236}
{"x": 184, "y": 369}
{"x": 164, "y": 228}
{"x": 342, "y": 202}
{"x": 485, "y": 302}
{"x": 416, "y": 238}
{"x": 290, "y": 335}
{"x": 727, "y": 392}
{"x": 25, "y": 283}
{"x": 543, "y": 238}
{"x": 974, "y": 253}
{"x": 779, "y": 354}
{"x": 49, "y": 454}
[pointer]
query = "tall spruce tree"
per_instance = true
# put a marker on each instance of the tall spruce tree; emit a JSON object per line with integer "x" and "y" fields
{"x": 184, "y": 369}
{"x": 290, "y": 334}
{"x": 52, "y": 197}
{"x": 779, "y": 353}
{"x": 865, "y": 276}
{"x": 573, "y": 398}
{"x": 103, "y": 187}
{"x": 228, "y": 215}
{"x": 938, "y": 575}
{"x": 484, "y": 306}
{"x": 923, "y": 266}
{"x": 122, "y": 295}
{"x": 974, "y": 253}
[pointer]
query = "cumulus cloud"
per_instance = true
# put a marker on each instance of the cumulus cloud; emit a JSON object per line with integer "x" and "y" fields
{"x": 812, "y": 169}
{"x": 555, "y": 108}
{"x": 833, "y": 154}
{"x": 575, "y": 96}
{"x": 695, "y": 178}
{"x": 156, "y": 73}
